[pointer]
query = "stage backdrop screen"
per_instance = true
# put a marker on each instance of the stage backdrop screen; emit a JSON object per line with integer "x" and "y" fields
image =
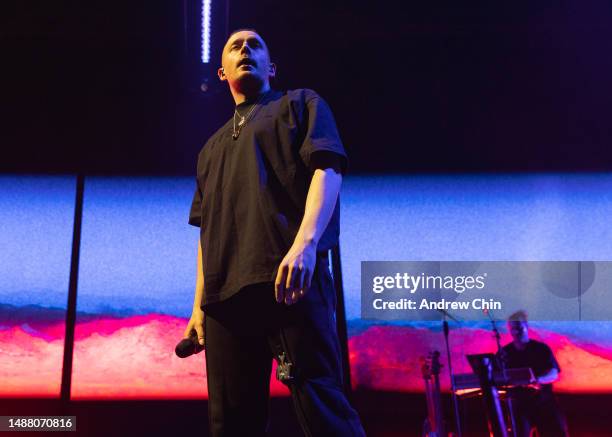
{"x": 36, "y": 221}
{"x": 138, "y": 260}
{"x": 527, "y": 217}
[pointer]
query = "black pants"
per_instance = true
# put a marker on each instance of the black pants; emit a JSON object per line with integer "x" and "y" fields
{"x": 540, "y": 411}
{"x": 244, "y": 333}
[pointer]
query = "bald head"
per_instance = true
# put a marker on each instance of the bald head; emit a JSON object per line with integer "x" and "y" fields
{"x": 245, "y": 64}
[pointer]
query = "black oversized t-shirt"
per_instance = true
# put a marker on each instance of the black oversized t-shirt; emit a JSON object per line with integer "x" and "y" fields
{"x": 536, "y": 355}
{"x": 251, "y": 191}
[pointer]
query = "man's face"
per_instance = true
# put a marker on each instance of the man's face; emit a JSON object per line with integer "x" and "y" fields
{"x": 245, "y": 60}
{"x": 518, "y": 330}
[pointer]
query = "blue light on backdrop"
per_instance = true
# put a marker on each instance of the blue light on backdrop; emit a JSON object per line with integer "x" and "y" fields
{"x": 137, "y": 272}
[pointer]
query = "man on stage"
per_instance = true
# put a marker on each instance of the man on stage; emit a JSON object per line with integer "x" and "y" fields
{"x": 533, "y": 407}
{"x": 266, "y": 204}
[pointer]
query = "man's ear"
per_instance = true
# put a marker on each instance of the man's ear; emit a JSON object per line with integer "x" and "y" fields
{"x": 221, "y": 74}
{"x": 272, "y": 70}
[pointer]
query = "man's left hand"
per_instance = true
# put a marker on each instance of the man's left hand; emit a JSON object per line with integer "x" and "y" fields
{"x": 295, "y": 273}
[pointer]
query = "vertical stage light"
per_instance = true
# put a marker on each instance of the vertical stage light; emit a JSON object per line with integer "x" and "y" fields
{"x": 205, "y": 31}
{"x": 205, "y": 26}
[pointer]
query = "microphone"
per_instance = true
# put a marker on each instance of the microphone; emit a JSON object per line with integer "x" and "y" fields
{"x": 188, "y": 346}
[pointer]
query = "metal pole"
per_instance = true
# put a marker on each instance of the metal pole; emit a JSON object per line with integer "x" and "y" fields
{"x": 341, "y": 317}
{"x": 72, "y": 292}
{"x": 452, "y": 379}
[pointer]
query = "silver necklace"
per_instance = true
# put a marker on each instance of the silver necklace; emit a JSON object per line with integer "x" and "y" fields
{"x": 243, "y": 119}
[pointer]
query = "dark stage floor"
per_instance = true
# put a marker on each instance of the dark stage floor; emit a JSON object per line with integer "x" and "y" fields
{"x": 383, "y": 415}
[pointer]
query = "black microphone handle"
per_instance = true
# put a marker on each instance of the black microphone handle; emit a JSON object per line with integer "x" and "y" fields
{"x": 188, "y": 346}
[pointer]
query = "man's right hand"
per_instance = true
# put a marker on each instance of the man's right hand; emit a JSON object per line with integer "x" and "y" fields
{"x": 196, "y": 323}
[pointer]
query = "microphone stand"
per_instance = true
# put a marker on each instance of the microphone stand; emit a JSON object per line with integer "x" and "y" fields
{"x": 450, "y": 371}
{"x": 502, "y": 364}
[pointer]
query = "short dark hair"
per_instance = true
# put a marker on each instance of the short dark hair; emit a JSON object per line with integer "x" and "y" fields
{"x": 518, "y": 316}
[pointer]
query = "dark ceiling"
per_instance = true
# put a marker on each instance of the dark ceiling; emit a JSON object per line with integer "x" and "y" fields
{"x": 111, "y": 87}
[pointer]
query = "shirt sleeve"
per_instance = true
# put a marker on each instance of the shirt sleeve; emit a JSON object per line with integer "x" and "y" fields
{"x": 324, "y": 160}
{"x": 551, "y": 361}
{"x": 195, "y": 214}
{"x": 321, "y": 136}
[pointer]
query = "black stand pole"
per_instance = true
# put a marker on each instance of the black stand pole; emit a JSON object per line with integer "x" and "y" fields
{"x": 502, "y": 365}
{"x": 72, "y": 292}
{"x": 483, "y": 366}
{"x": 341, "y": 318}
{"x": 452, "y": 379}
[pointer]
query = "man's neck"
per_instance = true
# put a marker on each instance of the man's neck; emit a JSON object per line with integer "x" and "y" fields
{"x": 241, "y": 96}
{"x": 521, "y": 345}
